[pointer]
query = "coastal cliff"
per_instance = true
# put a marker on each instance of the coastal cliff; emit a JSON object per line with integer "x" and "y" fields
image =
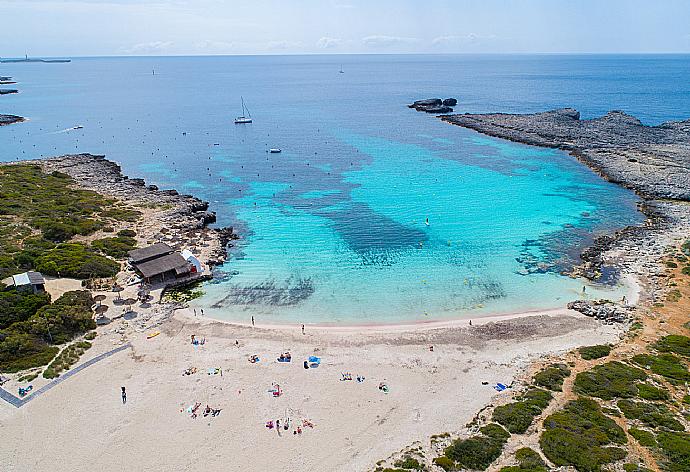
{"x": 180, "y": 219}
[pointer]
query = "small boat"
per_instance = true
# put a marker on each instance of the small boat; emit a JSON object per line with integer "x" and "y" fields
{"x": 79, "y": 127}
{"x": 275, "y": 151}
{"x": 341, "y": 71}
{"x": 427, "y": 222}
{"x": 246, "y": 116}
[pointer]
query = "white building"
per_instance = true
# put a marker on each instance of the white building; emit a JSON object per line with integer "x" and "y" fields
{"x": 192, "y": 259}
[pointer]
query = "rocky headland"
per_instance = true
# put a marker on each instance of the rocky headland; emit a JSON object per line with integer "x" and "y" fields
{"x": 179, "y": 220}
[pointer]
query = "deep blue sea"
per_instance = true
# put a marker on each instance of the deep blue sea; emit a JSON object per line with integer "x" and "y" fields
{"x": 334, "y": 227}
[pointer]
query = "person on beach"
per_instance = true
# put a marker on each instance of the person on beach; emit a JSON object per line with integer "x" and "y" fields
{"x": 202, "y": 312}
{"x": 194, "y": 311}
{"x": 252, "y": 320}
{"x": 302, "y": 329}
{"x": 124, "y": 396}
{"x": 470, "y": 322}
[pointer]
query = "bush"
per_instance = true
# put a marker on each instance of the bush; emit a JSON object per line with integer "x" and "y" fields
{"x": 579, "y": 435}
{"x": 77, "y": 261}
{"x": 91, "y": 335}
{"x": 552, "y": 377}
{"x": 117, "y": 248}
{"x": 444, "y": 463}
{"x": 649, "y": 392}
{"x": 528, "y": 461}
{"x": 477, "y": 452}
{"x": 666, "y": 365}
{"x": 66, "y": 359}
{"x": 652, "y": 415}
{"x": 22, "y": 351}
{"x": 518, "y": 416}
{"x": 676, "y": 448}
{"x": 609, "y": 381}
{"x": 645, "y": 438}
{"x": 19, "y": 306}
{"x": 128, "y": 233}
{"x": 674, "y": 343}
{"x": 408, "y": 463}
{"x": 671, "y": 265}
{"x": 595, "y": 352}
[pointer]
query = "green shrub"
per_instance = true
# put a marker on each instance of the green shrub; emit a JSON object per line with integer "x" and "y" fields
{"x": 676, "y": 449}
{"x": 671, "y": 265}
{"x": 645, "y": 438}
{"x": 408, "y": 463}
{"x": 19, "y": 305}
{"x": 518, "y": 416}
{"x": 21, "y": 351}
{"x": 528, "y": 461}
{"x": 117, "y": 248}
{"x": 666, "y": 365}
{"x": 444, "y": 463}
{"x": 580, "y": 435}
{"x": 552, "y": 377}
{"x": 127, "y": 233}
{"x": 91, "y": 335}
{"x": 649, "y": 392}
{"x": 66, "y": 359}
{"x": 595, "y": 352}
{"x": 494, "y": 431}
{"x": 635, "y": 468}
{"x": 674, "y": 343}
{"x": 77, "y": 261}
{"x": 609, "y": 381}
{"x": 650, "y": 414}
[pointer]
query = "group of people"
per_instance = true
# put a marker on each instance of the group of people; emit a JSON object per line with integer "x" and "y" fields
{"x": 287, "y": 423}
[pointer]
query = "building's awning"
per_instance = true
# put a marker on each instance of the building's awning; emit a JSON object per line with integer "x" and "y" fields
{"x": 171, "y": 262}
{"x": 28, "y": 278}
{"x": 148, "y": 253}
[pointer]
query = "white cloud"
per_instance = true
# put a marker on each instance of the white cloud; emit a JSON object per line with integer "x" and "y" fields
{"x": 214, "y": 47}
{"x": 456, "y": 40}
{"x": 329, "y": 43}
{"x": 380, "y": 41}
{"x": 153, "y": 47}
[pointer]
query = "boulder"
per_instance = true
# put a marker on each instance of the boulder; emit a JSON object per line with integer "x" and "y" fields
{"x": 450, "y": 102}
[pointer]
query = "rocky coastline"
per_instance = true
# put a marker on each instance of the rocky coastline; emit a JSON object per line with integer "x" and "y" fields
{"x": 180, "y": 220}
{"x": 653, "y": 161}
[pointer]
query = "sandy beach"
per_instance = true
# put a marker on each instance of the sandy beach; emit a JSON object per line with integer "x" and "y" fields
{"x": 355, "y": 423}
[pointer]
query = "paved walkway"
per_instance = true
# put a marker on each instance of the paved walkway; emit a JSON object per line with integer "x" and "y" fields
{"x": 19, "y": 402}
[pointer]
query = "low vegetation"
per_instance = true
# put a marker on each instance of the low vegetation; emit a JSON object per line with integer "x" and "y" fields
{"x": 117, "y": 247}
{"x": 675, "y": 344}
{"x": 653, "y": 415}
{"x": 32, "y": 341}
{"x": 589, "y": 353}
{"x": 66, "y": 359}
{"x": 552, "y": 377}
{"x": 528, "y": 461}
{"x": 476, "y": 452}
{"x": 667, "y": 365}
{"x": 675, "y": 447}
{"x": 645, "y": 438}
{"x": 517, "y": 416}
{"x": 580, "y": 435}
{"x": 183, "y": 294}
{"x": 39, "y": 212}
{"x": 609, "y": 381}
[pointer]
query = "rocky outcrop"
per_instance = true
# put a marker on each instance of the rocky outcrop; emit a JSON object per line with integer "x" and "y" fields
{"x": 434, "y": 105}
{"x": 181, "y": 220}
{"x": 603, "y": 310}
{"x": 9, "y": 119}
{"x": 654, "y": 161}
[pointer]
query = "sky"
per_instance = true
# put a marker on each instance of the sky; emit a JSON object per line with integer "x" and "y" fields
{"x": 208, "y": 27}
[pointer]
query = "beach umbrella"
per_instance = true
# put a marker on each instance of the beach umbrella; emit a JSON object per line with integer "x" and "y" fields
{"x": 98, "y": 299}
{"x": 117, "y": 289}
{"x": 100, "y": 309}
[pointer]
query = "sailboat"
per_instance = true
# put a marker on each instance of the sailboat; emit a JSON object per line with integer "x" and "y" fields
{"x": 341, "y": 69}
{"x": 246, "y": 116}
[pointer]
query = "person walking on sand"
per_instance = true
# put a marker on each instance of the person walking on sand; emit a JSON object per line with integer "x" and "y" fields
{"x": 302, "y": 329}
{"x": 124, "y": 396}
{"x": 252, "y": 320}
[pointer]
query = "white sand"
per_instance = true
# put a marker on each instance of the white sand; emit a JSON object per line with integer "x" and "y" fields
{"x": 82, "y": 425}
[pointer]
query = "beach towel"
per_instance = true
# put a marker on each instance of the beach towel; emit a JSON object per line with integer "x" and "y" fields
{"x": 499, "y": 387}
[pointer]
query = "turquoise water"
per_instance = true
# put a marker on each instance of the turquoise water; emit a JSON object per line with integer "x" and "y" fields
{"x": 334, "y": 228}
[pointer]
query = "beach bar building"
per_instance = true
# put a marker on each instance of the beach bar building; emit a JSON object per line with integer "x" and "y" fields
{"x": 159, "y": 264}
{"x": 29, "y": 282}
